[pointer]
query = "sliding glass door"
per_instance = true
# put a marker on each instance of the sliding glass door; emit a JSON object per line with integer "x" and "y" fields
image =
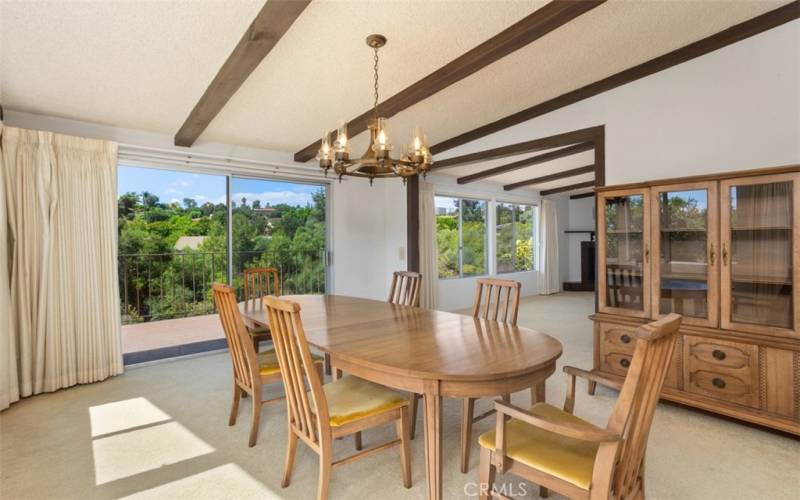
{"x": 280, "y": 225}
{"x": 175, "y": 240}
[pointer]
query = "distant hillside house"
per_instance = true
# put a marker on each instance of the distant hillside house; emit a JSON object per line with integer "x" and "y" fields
{"x": 190, "y": 242}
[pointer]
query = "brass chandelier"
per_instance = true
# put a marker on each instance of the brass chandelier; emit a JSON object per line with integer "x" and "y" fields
{"x": 376, "y": 160}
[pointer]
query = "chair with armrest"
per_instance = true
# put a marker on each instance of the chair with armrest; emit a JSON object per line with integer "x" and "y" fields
{"x": 559, "y": 451}
{"x": 341, "y": 408}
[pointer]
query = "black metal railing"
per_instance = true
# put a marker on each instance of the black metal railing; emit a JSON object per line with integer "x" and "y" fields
{"x": 156, "y": 286}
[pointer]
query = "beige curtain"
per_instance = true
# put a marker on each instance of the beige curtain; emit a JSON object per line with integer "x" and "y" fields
{"x": 548, "y": 249}
{"x": 428, "y": 254}
{"x": 61, "y": 198}
{"x": 9, "y": 387}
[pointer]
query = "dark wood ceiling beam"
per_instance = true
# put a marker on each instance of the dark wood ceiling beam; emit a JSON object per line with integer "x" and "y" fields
{"x": 550, "y": 142}
{"x": 590, "y": 194}
{"x": 526, "y": 162}
{"x": 564, "y": 189}
{"x": 541, "y": 22}
{"x": 271, "y": 23}
{"x": 714, "y": 42}
{"x": 552, "y": 177}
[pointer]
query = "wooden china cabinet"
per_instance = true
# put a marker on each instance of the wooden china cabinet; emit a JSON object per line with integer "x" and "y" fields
{"x": 724, "y": 252}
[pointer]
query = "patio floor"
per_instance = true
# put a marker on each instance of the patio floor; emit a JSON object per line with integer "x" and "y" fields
{"x": 170, "y": 332}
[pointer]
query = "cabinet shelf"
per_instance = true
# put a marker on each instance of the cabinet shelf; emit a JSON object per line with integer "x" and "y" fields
{"x": 762, "y": 228}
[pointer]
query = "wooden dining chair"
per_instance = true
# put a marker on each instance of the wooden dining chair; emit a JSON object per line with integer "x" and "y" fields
{"x": 405, "y": 288}
{"x": 326, "y": 412}
{"x": 259, "y": 282}
{"x": 497, "y": 300}
{"x": 250, "y": 370}
{"x": 559, "y": 451}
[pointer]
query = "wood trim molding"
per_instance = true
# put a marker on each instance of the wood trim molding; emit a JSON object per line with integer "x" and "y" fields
{"x": 527, "y": 162}
{"x": 711, "y": 43}
{"x": 549, "y": 142}
{"x": 266, "y": 30}
{"x": 582, "y": 195}
{"x": 564, "y": 189}
{"x": 551, "y": 177}
{"x": 541, "y": 22}
{"x": 783, "y": 169}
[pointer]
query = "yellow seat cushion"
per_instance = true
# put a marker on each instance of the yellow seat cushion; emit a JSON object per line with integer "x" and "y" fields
{"x": 563, "y": 457}
{"x": 268, "y": 362}
{"x": 351, "y": 398}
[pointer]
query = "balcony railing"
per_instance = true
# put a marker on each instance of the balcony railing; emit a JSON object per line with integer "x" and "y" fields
{"x": 155, "y": 286}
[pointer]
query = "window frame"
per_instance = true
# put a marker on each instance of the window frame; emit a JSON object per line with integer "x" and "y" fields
{"x": 460, "y": 250}
{"x": 535, "y": 235}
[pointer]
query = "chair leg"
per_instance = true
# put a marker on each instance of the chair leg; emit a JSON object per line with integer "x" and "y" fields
{"x": 414, "y": 400}
{"x": 256, "y": 417}
{"x": 291, "y": 449}
{"x": 357, "y": 440}
{"x": 543, "y": 492}
{"x": 590, "y": 388}
{"x": 325, "y": 466}
{"x": 237, "y": 394}
{"x": 467, "y": 410}
{"x": 486, "y": 475}
{"x": 320, "y": 372}
{"x": 405, "y": 450}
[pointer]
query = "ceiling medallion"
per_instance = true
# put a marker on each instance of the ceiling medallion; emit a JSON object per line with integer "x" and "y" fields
{"x": 376, "y": 160}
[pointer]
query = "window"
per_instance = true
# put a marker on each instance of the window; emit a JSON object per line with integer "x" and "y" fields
{"x": 515, "y": 229}
{"x": 461, "y": 236}
{"x": 176, "y": 239}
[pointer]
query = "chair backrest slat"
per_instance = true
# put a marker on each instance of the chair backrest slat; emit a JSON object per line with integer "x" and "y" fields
{"x": 495, "y": 292}
{"x": 297, "y": 368}
{"x": 260, "y": 282}
{"x": 405, "y": 288}
{"x": 243, "y": 355}
{"x": 633, "y": 413}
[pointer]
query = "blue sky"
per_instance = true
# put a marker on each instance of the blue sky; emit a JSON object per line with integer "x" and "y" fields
{"x": 171, "y": 185}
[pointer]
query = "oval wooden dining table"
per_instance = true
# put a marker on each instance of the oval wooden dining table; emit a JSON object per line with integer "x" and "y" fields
{"x": 433, "y": 353}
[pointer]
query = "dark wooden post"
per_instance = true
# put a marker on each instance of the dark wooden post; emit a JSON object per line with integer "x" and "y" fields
{"x": 412, "y": 222}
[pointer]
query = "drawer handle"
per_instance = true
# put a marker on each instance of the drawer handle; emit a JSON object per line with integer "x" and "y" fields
{"x": 625, "y": 339}
{"x": 718, "y": 383}
{"x": 720, "y": 355}
{"x": 625, "y": 362}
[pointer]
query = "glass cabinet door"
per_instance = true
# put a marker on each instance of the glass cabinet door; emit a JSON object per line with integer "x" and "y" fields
{"x": 760, "y": 254}
{"x": 624, "y": 252}
{"x": 685, "y": 252}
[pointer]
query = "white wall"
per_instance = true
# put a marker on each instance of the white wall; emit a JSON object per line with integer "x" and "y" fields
{"x": 733, "y": 109}
{"x": 581, "y": 216}
{"x": 363, "y": 224}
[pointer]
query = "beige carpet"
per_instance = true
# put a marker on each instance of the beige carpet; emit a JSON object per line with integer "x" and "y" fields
{"x": 161, "y": 432}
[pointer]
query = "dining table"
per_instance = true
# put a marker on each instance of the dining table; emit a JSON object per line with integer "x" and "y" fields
{"x": 434, "y": 353}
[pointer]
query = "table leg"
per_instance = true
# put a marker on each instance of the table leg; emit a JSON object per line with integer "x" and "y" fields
{"x": 433, "y": 441}
{"x": 538, "y": 393}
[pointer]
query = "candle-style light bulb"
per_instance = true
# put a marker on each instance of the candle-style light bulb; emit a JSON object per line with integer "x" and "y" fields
{"x": 341, "y": 137}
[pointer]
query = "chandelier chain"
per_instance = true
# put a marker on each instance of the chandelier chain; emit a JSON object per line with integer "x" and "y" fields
{"x": 375, "y": 68}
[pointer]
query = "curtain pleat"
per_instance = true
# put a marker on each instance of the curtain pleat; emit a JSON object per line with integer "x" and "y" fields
{"x": 61, "y": 194}
{"x": 428, "y": 253}
{"x": 9, "y": 385}
{"x": 548, "y": 254}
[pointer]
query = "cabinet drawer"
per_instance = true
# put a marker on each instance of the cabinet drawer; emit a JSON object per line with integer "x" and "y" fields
{"x": 617, "y": 344}
{"x": 722, "y": 370}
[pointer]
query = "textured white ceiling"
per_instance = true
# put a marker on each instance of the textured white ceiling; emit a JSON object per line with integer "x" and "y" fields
{"x": 144, "y": 64}
{"x": 130, "y": 63}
